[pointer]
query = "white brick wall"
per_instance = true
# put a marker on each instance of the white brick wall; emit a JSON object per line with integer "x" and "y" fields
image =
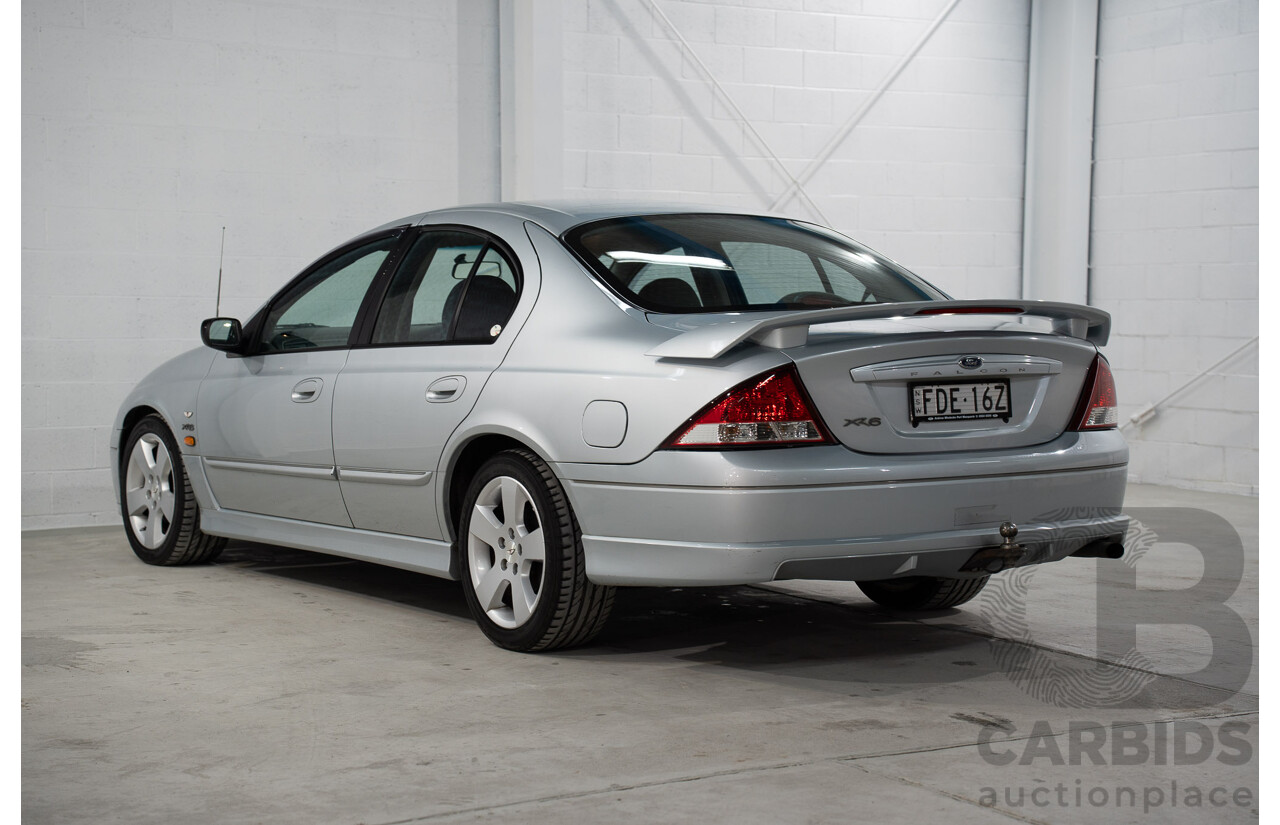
{"x": 148, "y": 125}
{"x": 1175, "y": 231}
{"x": 932, "y": 176}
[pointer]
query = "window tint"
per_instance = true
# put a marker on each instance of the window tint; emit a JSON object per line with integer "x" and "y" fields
{"x": 844, "y": 283}
{"x": 452, "y": 286}
{"x": 494, "y": 265}
{"x": 320, "y": 310}
{"x": 769, "y": 272}
{"x": 666, "y": 283}
{"x": 716, "y": 263}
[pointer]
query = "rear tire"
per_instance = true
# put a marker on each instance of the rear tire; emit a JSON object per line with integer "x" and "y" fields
{"x": 922, "y": 592}
{"x": 161, "y": 517}
{"x": 523, "y": 569}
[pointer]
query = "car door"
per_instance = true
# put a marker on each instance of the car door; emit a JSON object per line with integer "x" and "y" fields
{"x": 265, "y": 419}
{"x": 440, "y": 331}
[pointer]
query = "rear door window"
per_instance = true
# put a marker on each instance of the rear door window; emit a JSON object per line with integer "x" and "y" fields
{"x": 453, "y": 286}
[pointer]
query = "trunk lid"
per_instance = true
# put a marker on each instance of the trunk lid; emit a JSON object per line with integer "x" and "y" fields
{"x": 943, "y": 390}
{"x": 887, "y": 380}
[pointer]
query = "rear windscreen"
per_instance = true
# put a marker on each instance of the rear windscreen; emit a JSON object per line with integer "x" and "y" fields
{"x": 717, "y": 263}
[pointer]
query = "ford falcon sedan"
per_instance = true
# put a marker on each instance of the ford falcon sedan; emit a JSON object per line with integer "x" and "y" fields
{"x": 549, "y": 401}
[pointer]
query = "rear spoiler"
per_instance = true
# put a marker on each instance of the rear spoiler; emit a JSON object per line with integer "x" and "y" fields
{"x": 792, "y": 329}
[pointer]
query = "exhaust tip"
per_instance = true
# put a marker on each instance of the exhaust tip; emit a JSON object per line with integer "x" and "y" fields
{"x": 1111, "y": 547}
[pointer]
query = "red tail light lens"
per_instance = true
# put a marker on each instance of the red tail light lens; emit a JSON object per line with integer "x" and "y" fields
{"x": 768, "y": 410}
{"x": 1098, "y": 408}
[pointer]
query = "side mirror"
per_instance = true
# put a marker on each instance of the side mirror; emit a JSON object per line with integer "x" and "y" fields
{"x": 221, "y": 333}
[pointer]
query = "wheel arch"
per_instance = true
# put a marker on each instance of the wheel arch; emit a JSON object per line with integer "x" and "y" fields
{"x": 128, "y": 421}
{"x": 466, "y": 461}
{"x": 133, "y": 416}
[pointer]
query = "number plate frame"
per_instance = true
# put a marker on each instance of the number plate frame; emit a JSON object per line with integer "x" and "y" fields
{"x": 976, "y": 388}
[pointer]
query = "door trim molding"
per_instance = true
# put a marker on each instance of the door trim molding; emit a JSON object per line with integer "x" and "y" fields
{"x": 295, "y": 470}
{"x": 405, "y": 478}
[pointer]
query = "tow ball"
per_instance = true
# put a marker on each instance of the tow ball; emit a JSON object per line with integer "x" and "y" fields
{"x": 994, "y": 559}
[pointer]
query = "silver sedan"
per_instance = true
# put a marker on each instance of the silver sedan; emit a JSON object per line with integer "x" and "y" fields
{"x": 548, "y": 401}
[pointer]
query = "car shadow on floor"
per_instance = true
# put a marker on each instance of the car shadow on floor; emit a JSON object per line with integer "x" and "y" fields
{"x": 745, "y": 627}
{"x": 857, "y": 647}
{"x": 851, "y": 646}
{"x": 375, "y": 581}
{"x": 766, "y": 631}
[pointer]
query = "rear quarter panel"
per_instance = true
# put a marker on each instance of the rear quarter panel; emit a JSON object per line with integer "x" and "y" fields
{"x": 581, "y": 345}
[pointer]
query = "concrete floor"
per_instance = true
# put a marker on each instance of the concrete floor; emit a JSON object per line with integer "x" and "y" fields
{"x": 288, "y": 687}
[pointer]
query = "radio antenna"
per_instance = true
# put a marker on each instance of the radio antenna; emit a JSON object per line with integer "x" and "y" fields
{"x": 217, "y": 306}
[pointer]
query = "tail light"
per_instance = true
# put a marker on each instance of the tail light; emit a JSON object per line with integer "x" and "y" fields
{"x": 768, "y": 410}
{"x": 1098, "y": 408}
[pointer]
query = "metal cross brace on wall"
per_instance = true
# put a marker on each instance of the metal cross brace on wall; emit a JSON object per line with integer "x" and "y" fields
{"x": 742, "y": 119}
{"x": 849, "y": 125}
{"x": 794, "y": 185}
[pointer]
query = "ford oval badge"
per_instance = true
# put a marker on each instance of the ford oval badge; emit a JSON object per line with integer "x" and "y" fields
{"x": 971, "y": 362}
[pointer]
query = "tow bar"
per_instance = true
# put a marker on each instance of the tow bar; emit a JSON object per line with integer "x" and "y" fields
{"x": 994, "y": 559}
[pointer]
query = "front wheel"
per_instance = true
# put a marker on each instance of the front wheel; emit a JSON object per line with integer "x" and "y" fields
{"x": 922, "y": 592}
{"x": 524, "y": 572}
{"x": 161, "y": 516}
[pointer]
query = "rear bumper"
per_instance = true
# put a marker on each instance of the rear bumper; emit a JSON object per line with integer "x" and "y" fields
{"x": 824, "y": 512}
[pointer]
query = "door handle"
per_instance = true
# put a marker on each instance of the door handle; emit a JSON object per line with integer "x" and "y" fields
{"x": 446, "y": 389}
{"x": 307, "y": 390}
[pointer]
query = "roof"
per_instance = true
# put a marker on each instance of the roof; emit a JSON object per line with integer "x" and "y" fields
{"x": 556, "y": 216}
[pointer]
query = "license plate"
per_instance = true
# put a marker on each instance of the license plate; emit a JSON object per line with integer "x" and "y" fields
{"x": 960, "y": 401}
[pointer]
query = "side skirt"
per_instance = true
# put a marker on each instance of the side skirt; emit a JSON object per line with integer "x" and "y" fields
{"x": 405, "y": 552}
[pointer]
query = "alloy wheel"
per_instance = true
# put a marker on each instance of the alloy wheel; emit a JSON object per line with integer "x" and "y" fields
{"x": 148, "y": 490}
{"x": 506, "y": 552}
